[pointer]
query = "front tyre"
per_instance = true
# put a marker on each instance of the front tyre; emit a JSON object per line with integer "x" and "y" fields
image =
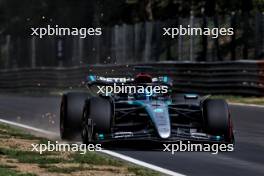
{"x": 97, "y": 115}
{"x": 217, "y": 119}
{"x": 88, "y": 135}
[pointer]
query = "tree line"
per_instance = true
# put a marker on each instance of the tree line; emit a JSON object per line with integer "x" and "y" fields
{"x": 16, "y": 16}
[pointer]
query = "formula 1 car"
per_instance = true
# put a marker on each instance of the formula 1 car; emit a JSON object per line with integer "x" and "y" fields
{"x": 161, "y": 117}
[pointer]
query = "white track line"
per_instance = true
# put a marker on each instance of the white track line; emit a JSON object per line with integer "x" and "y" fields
{"x": 114, "y": 154}
{"x": 141, "y": 163}
{"x": 250, "y": 105}
{"x": 28, "y": 127}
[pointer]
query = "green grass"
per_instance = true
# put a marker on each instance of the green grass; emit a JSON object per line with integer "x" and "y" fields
{"x": 29, "y": 156}
{"x": 69, "y": 170}
{"x": 9, "y": 131}
{"x": 17, "y": 133}
{"x": 65, "y": 170}
{"x": 140, "y": 171}
{"x": 91, "y": 161}
{"x": 95, "y": 159}
{"x": 7, "y": 171}
{"x": 6, "y": 166}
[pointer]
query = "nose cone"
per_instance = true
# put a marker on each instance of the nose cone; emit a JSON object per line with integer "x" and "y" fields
{"x": 164, "y": 131}
{"x": 160, "y": 117}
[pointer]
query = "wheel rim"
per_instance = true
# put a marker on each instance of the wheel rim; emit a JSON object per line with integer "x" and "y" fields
{"x": 84, "y": 130}
{"x": 90, "y": 130}
{"x": 87, "y": 128}
{"x": 62, "y": 118}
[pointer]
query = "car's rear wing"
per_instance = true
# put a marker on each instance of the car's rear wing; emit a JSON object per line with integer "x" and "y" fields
{"x": 102, "y": 79}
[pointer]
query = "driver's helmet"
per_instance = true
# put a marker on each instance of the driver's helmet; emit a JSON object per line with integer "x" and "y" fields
{"x": 143, "y": 78}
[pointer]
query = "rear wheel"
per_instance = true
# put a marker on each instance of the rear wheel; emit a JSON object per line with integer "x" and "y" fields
{"x": 217, "y": 119}
{"x": 97, "y": 114}
{"x": 71, "y": 113}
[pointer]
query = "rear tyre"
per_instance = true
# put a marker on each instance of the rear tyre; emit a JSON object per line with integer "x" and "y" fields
{"x": 71, "y": 113}
{"x": 217, "y": 119}
{"x": 97, "y": 115}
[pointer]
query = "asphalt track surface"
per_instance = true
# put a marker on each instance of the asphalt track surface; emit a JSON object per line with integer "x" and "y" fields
{"x": 247, "y": 159}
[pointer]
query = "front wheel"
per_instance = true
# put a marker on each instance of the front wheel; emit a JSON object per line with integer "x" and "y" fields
{"x": 96, "y": 119}
{"x": 88, "y": 135}
{"x": 217, "y": 120}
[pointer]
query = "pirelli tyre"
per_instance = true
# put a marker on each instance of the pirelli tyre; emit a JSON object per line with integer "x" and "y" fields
{"x": 217, "y": 119}
{"x": 97, "y": 115}
{"x": 71, "y": 114}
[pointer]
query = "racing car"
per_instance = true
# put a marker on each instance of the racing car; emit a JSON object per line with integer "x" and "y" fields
{"x": 145, "y": 115}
